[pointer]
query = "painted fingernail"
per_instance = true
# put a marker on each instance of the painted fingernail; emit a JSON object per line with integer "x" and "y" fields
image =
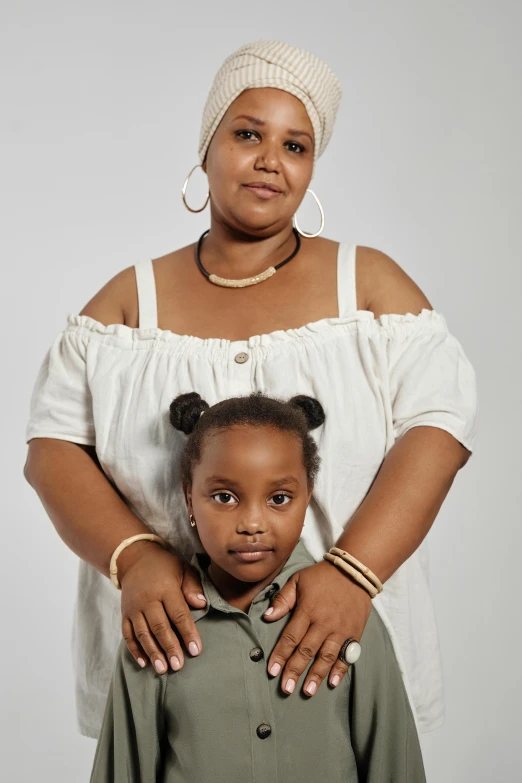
{"x": 202, "y": 597}
{"x": 336, "y": 680}
{"x": 290, "y": 685}
{"x": 141, "y": 662}
{"x": 269, "y": 611}
{"x": 311, "y": 688}
{"x": 193, "y": 648}
{"x": 276, "y": 668}
{"x": 175, "y": 663}
{"x": 159, "y": 666}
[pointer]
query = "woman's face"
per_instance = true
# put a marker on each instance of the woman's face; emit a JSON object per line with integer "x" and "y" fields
{"x": 264, "y": 137}
{"x": 249, "y": 495}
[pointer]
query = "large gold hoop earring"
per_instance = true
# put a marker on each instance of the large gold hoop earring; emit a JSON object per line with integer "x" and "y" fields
{"x": 184, "y": 190}
{"x": 303, "y": 233}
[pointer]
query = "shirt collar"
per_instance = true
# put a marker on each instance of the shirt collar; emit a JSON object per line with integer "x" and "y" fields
{"x": 300, "y": 558}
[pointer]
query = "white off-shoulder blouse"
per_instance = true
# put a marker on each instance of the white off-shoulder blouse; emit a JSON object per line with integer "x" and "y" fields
{"x": 111, "y": 387}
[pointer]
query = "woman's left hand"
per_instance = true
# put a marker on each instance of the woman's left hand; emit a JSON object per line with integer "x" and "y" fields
{"x": 330, "y": 608}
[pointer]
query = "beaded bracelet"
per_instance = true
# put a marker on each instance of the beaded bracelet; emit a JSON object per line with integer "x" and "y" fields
{"x": 357, "y": 563}
{"x": 351, "y": 571}
{"x": 113, "y": 569}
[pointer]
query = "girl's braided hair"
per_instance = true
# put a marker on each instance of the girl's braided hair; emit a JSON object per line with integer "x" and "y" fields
{"x": 297, "y": 416}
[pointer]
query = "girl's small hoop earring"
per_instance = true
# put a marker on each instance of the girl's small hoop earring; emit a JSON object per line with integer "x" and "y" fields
{"x": 303, "y": 233}
{"x": 192, "y": 521}
{"x": 184, "y": 190}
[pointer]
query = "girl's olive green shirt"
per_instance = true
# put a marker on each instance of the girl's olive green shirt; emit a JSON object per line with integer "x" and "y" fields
{"x": 223, "y": 719}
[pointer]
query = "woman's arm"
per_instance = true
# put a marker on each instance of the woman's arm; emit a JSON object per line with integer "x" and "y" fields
{"x": 387, "y": 528}
{"x": 390, "y": 524}
{"x": 86, "y": 510}
{"x": 404, "y": 500}
{"x": 419, "y": 470}
{"x": 92, "y": 519}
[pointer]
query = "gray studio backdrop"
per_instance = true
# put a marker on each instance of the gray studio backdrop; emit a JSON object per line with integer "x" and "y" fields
{"x": 101, "y": 103}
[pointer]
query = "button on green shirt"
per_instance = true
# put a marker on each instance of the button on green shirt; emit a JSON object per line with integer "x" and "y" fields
{"x": 222, "y": 719}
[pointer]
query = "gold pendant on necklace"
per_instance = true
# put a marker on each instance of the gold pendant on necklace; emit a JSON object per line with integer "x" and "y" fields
{"x": 246, "y": 281}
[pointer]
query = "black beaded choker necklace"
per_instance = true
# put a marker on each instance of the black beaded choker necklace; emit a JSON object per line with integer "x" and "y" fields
{"x": 246, "y": 281}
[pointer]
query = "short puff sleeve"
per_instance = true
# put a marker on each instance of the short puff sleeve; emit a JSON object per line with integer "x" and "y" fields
{"x": 61, "y": 404}
{"x": 432, "y": 382}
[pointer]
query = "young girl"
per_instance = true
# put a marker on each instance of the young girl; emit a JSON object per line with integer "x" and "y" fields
{"x": 248, "y": 470}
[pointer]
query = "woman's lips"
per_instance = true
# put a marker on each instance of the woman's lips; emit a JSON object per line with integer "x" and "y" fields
{"x": 261, "y": 192}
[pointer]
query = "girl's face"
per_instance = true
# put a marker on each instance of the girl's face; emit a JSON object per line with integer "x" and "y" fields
{"x": 265, "y": 136}
{"x": 249, "y": 495}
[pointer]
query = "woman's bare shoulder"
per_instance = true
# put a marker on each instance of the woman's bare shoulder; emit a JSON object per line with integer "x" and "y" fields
{"x": 117, "y": 301}
{"x": 107, "y": 305}
{"x": 384, "y": 287}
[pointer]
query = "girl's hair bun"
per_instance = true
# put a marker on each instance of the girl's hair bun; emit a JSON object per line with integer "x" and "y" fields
{"x": 185, "y": 411}
{"x": 312, "y": 409}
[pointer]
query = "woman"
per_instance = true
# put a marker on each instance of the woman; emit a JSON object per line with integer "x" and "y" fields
{"x": 344, "y": 325}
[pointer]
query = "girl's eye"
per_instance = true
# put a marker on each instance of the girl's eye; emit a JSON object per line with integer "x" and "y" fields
{"x": 280, "y": 499}
{"x": 224, "y": 498}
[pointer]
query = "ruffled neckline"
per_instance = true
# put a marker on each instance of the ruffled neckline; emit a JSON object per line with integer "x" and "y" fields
{"x": 388, "y": 322}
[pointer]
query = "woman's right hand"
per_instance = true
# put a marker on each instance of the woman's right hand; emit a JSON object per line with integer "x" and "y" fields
{"x": 156, "y": 585}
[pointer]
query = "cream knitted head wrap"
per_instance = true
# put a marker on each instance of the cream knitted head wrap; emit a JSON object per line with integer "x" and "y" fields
{"x": 274, "y": 64}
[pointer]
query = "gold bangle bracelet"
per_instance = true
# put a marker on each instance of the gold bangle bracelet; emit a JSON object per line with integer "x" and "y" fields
{"x": 113, "y": 568}
{"x": 357, "y": 563}
{"x": 351, "y": 571}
